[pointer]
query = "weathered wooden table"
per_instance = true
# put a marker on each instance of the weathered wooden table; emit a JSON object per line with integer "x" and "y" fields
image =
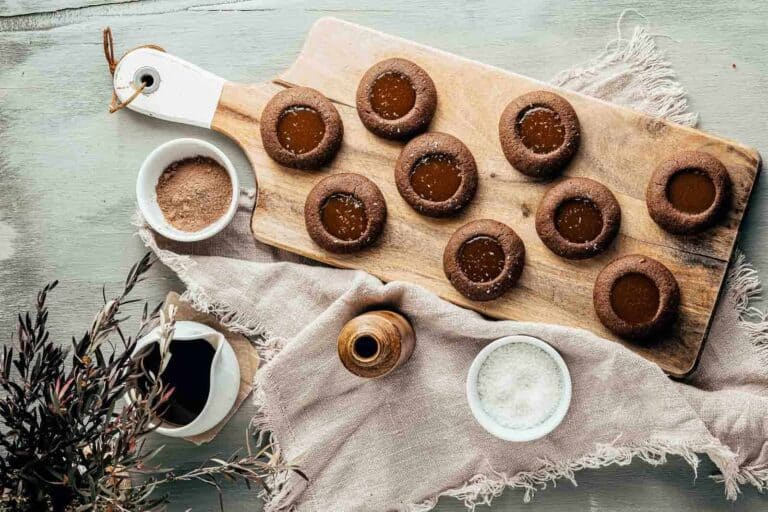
{"x": 67, "y": 168}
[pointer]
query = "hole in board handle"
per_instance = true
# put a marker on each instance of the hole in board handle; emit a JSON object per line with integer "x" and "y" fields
{"x": 148, "y": 77}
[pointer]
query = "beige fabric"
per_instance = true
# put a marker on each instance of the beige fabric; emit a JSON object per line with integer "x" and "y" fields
{"x": 401, "y": 441}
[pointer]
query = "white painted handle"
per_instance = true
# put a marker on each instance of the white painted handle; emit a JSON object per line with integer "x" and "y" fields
{"x": 181, "y": 92}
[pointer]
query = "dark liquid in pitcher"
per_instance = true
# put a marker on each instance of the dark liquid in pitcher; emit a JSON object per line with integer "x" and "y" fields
{"x": 189, "y": 374}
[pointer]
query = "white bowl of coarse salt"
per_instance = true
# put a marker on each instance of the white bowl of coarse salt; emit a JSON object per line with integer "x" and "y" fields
{"x": 519, "y": 388}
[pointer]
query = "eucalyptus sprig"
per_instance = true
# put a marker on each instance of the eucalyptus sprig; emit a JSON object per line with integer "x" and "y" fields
{"x": 70, "y": 442}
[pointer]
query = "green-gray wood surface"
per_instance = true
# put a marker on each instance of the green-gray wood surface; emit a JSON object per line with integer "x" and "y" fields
{"x": 67, "y": 168}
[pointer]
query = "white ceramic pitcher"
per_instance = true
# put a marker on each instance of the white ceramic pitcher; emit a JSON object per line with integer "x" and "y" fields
{"x": 225, "y": 377}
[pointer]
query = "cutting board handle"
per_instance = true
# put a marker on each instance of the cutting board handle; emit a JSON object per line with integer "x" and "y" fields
{"x": 176, "y": 90}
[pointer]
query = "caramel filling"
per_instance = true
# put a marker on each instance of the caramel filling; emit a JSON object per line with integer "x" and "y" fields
{"x": 481, "y": 259}
{"x": 436, "y": 177}
{"x": 392, "y": 95}
{"x": 541, "y": 129}
{"x": 300, "y": 129}
{"x": 578, "y": 220}
{"x": 343, "y": 216}
{"x": 691, "y": 191}
{"x": 635, "y": 298}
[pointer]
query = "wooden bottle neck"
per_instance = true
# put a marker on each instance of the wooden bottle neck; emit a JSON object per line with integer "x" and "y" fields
{"x": 366, "y": 349}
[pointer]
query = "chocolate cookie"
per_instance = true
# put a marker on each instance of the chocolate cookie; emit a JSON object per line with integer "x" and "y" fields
{"x": 483, "y": 259}
{"x": 396, "y": 99}
{"x": 436, "y": 174}
{"x": 539, "y": 133}
{"x": 301, "y": 128}
{"x": 636, "y": 297}
{"x": 578, "y": 218}
{"x": 345, "y": 213}
{"x": 688, "y": 193}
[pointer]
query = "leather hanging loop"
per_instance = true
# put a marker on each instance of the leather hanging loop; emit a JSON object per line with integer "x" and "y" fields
{"x": 109, "y": 54}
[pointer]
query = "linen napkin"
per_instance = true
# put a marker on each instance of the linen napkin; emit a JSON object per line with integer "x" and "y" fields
{"x": 402, "y": 441}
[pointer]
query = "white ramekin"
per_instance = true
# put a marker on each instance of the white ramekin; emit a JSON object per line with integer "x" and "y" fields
{"x": 154, "y": 165}
{"x": 523, "y": 434}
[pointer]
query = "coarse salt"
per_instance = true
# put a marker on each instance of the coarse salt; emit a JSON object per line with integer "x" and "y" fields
{"x": 519, "y": 385}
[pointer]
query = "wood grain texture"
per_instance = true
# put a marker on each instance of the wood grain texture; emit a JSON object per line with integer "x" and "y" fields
{"x": 390, "y": 338}
{"x": 27, "y": 7}
{"x": 68, "y": 169}
{"x": 620, "y": 148}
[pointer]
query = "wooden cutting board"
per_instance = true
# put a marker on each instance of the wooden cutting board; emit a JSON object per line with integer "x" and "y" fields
{"x": 619, "y": 148}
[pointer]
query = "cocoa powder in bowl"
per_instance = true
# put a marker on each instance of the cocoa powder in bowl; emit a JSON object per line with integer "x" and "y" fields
{"x": 194, "y": 193}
